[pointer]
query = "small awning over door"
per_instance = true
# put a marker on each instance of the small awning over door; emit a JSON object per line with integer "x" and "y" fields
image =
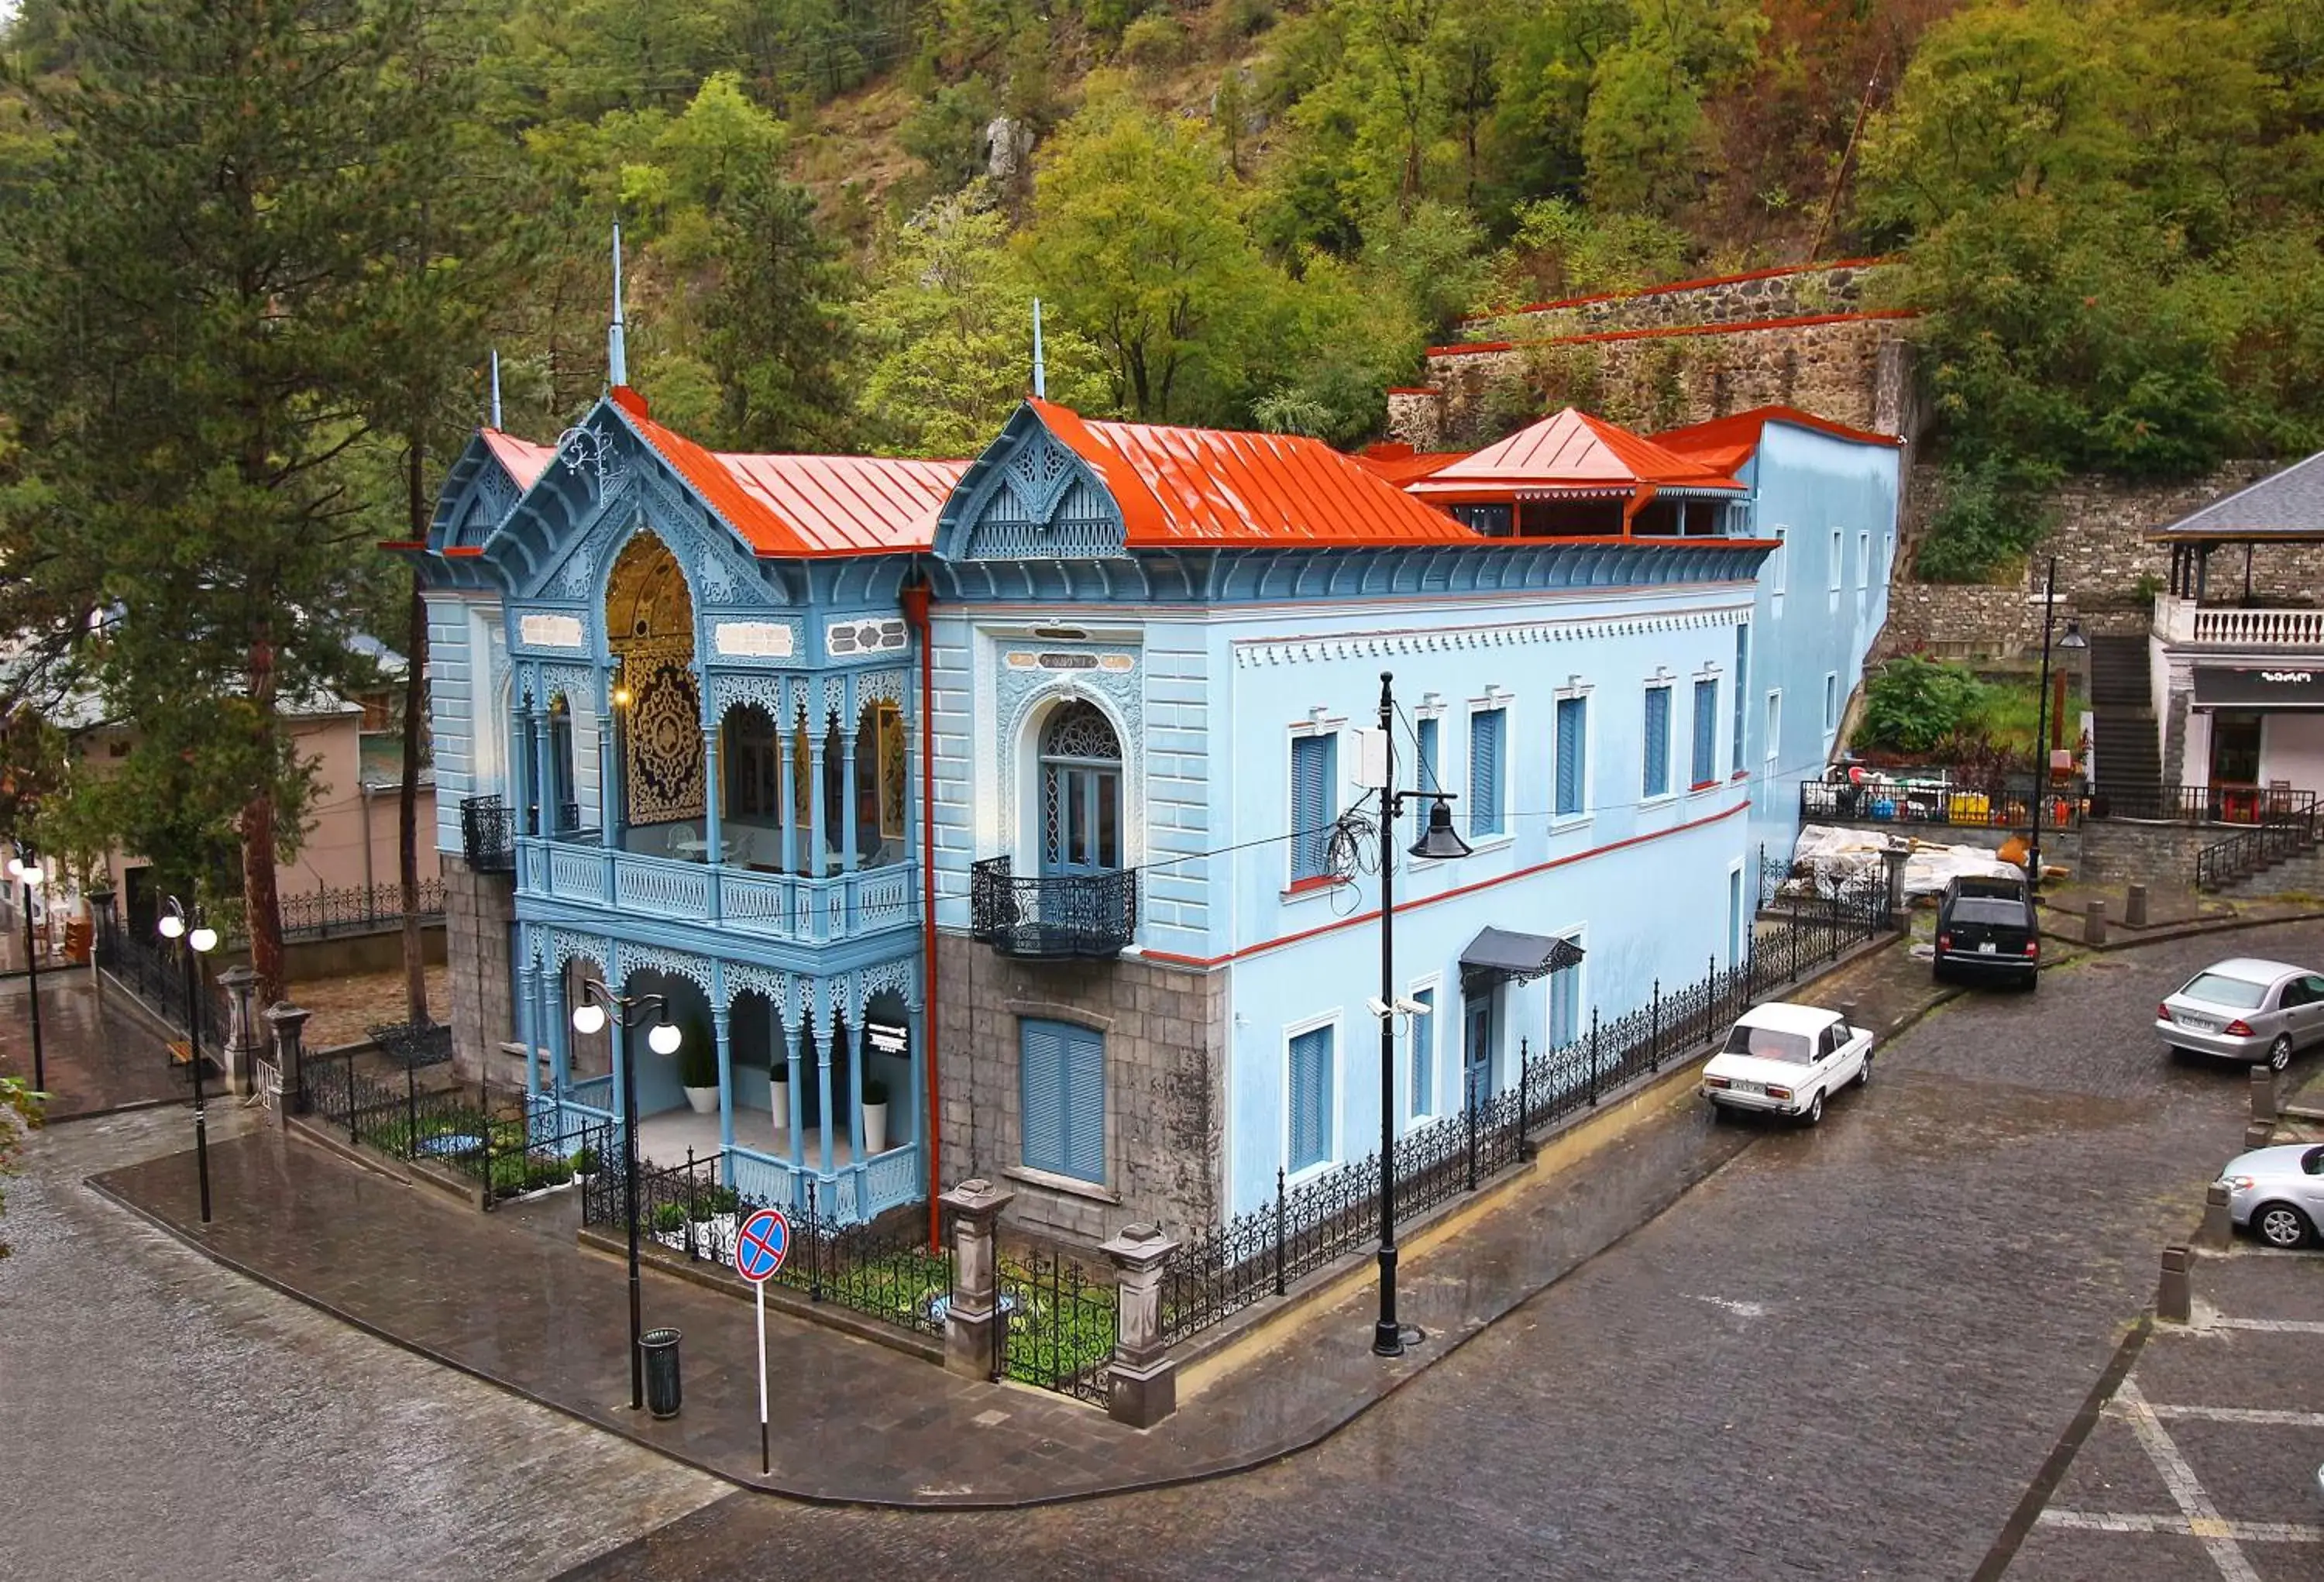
{"x": 1505, "y": 955}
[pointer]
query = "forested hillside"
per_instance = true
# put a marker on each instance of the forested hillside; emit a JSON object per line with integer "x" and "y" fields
{"x": 1259, "y": 211}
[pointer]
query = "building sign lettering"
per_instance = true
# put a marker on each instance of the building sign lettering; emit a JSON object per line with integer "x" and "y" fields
{"x": 886, "y": 1038}
{"x": 842, "y": 638}
{"x": 2292, "y": 678}
{"x": 753, "y": 639}
{"x": 538, "y": 631}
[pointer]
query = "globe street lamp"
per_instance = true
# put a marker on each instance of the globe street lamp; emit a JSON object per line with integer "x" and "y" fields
{"x": 198, "y": 940}
{"x": 589, "y": 1018}
{"x": 27, "y": 867}
{"x": 2072, "y": 641}
{"x": 1439, "y": 840}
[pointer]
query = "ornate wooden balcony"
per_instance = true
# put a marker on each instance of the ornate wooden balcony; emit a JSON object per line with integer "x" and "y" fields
{"x": 788, "y": 907}
{"x": 1084, "y": 916}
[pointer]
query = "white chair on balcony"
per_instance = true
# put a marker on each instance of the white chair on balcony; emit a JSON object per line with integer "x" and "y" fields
{"x": 685, "y": 843}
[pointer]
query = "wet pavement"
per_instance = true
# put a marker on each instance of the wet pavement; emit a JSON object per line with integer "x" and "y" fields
{"x": 96, "y": 1054}
{"x": 159, "y": 1421}
{"x": 1846, "y": 1353}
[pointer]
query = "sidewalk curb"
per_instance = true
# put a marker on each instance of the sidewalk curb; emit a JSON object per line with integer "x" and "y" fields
{"x": 1653, "y": 1206}
{"x": 2164, "y": 935}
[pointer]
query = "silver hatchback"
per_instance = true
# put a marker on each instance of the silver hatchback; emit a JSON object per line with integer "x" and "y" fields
{"x": 2246, "y": 1009}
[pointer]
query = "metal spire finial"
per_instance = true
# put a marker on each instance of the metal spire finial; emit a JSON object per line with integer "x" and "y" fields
{"x": 617, "y": 354}
{"x": 496, "y": 387}
{"x": 1040, "y": 373}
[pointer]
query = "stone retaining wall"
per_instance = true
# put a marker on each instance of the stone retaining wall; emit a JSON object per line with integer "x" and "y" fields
{"x": 2098, "y": 537}
{"x": 1837, "y": 287}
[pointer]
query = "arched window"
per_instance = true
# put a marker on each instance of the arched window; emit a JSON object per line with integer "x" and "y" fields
{"x": 564, "y": 813}
{"x": 1081, "y": 791}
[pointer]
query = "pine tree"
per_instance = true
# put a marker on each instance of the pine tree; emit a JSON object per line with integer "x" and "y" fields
{"x": 194, "y": 340}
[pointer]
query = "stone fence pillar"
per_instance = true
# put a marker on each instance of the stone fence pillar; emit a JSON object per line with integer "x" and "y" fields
{"x": 968, "y": 1333}
{"x": 2263, "y": 1093}
{"x": 243, "y": 1048}
{"x": 1143, "y": 1385}
{"x": 1895, "y": 856}
{"x": 290, "y": 1072}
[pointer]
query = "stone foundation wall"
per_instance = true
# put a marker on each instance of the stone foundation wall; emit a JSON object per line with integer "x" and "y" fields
{"x": 2097, "y": 533}
{"x": 1165, "y": 1117}
{"x": 1855, "y": 371}
{"x": 1772, "y": 293}
{"x": 478, "y": 912}
{"x": 2162, "y": 856}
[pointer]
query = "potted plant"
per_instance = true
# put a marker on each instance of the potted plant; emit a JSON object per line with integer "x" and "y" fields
{"x": 875, "y": 1116}
{"x": 698, "y": 1067}
{"x": 585, "y": 1165}
{"x": 779, "y": 1093}
{"x": 669, "y": 1223}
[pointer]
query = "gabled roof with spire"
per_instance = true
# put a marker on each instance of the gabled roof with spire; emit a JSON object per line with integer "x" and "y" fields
{"x": 2286, "y": 504}
{"x": 806, "y": 506}
{"x": 1571, "y": 453}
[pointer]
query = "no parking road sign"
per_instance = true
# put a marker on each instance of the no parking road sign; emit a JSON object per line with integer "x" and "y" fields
{"x": 759, "y": 1250}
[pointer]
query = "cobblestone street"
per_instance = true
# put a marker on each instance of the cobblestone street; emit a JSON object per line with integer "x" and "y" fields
{"x": 1846, "y": 1353}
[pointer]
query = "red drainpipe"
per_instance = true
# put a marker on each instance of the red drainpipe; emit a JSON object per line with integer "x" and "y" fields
{"x": 915, "y": 598}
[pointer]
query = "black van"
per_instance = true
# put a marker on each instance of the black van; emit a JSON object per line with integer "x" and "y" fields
{"x": 1987, "y": 927}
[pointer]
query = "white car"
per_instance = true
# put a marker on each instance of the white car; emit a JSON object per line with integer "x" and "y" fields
{"x": 1784, "y": 1060}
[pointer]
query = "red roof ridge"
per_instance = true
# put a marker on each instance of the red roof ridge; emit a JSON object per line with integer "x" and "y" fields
{"x": 1574, "y": 449}
{"x": 1742, "y": 430}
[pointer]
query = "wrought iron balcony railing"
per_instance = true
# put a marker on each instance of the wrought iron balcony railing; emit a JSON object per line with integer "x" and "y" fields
{"x": 488, "y": 835}
{"x": 1089, "y": 916}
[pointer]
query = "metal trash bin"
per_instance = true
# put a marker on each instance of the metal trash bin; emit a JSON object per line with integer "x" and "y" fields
{"x": 663, "y": 1394}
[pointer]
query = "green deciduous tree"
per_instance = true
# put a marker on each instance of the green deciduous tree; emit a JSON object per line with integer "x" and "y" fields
{"x": 948, "y": 332}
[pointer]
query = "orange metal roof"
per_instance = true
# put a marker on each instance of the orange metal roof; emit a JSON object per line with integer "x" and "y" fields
{"x": 524, "y": 460}
{"x": 1571, "y": 450}
{"x": 1400, "y": 464}
{"x": 1222, "y": 488}
{"x": 1726, "y": 443}
{"x": 812, "y": 505}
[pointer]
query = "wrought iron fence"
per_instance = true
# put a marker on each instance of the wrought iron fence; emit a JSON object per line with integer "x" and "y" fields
{"x": 1062, "y": 915}
{"x": 889, "y": 1275}
{"x": 2208, "y": 804}
{"x": 488, "y": 835}
{"x": 413, "y": 1044}
{"x": 156, "y": 975}
{"x": 2239, "y": 857}
{"x": 1311, "y": 1226}
{"x": 2002, "y": 803}
{"x": 497, "y": 1143}
{"x": 1055, "y": 1327}
{"x": 320, "y": 914}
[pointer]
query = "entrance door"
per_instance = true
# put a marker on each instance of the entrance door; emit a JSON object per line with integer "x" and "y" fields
{"x": 2235, "y": 763}
{"x": 1477, "y": 1047}
{"x": 1080, "y": 793}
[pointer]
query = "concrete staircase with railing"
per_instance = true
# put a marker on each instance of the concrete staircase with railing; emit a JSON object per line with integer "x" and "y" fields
{"x": 2123, "y": 733}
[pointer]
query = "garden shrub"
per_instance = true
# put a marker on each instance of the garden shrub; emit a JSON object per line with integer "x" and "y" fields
{"x": 1912, "y": 704}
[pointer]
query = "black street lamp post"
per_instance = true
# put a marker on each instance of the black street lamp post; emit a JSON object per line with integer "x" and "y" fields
{"x": 2072, "y": 641}
{"x": 199, "y": 940}
{"x": 1439, "y": 840}
{"x": 590, "y": 1017}
{"x": 26, "y": 867}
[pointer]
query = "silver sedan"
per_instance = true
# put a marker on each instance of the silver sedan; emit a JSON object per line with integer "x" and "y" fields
{"x": 2246, "y": 1009}
{"x": 2277, "y": 1193}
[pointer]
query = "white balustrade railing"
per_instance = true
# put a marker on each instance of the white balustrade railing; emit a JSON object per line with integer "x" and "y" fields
{"x": 776, "y": 906}
{"x": 2260, "y": 628}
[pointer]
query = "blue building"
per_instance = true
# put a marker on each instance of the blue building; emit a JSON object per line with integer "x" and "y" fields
{"x": 1004, "y": 818}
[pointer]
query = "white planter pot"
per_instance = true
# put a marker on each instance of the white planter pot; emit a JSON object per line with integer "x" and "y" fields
{"x": 781, "y": 1101}
{"x": 875, "y": 1128}
{"x": 703, "y": 1101}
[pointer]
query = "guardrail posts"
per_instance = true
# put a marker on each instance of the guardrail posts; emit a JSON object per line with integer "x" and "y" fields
{"x": 2134, "y": 907}
{"x": 1142, "y": 1385}
{"x": 2174, "y": 1296}
{"x": 2094, "y": 927}
{"x": 970, "y": 1320}
{"x": 2218, "y": 1223}
{"x": 2262, "y": 1095}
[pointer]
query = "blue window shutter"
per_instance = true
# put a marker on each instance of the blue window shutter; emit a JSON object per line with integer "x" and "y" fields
{"x": 1742, "y": 683}
{"x": 1311, "y": 1097}
{"x": 1706, "y": 732}
{"x": 1428, "y": 772}
{"x": 1657, "y": 781}
{"x": 1485, "y": 770}
{"x": 1424, "y": 1054}
{"x": 1311, "y": 805}
{"x": 1041, "y": 1067}
{"x": 1571, "y": 737}
{"x": 1085, "y": 1096}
